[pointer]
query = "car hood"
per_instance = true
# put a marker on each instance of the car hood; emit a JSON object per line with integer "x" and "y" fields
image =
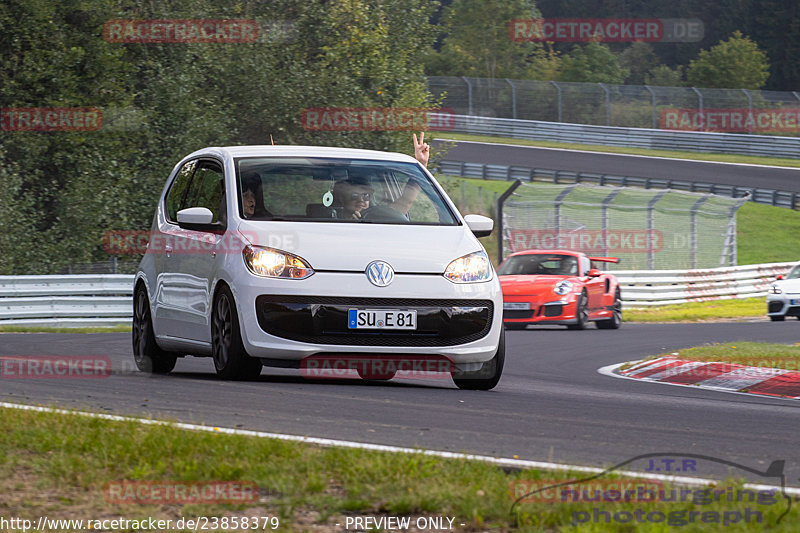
{"x": 351, "y": 247}
{"x": 529, "y": 284}
{"x": 789, "y": 285}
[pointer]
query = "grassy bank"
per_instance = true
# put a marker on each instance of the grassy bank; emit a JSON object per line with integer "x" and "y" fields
{"x": 759, "y": 354}
{"x": 699, "y": 311}
{"x": 59, "y": 466}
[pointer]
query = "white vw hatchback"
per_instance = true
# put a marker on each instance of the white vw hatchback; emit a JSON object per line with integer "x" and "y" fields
{"x": 271, "y": 255}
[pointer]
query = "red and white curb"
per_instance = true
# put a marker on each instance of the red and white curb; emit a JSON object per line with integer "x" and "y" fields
{"x": 728, "y": 377}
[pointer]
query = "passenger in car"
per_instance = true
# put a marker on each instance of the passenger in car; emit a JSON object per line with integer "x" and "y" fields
{"x": 253, "y": 196}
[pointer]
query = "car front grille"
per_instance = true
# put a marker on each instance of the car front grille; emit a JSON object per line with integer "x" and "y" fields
{"x": 323, "y": 320}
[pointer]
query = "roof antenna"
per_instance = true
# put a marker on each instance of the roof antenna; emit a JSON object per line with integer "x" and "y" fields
{"x": 270, "y": 140}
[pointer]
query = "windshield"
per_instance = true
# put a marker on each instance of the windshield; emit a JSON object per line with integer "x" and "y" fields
{"x": 795, "y": 273}
{"x": 339, "y": 190}
{"x": 540, "y": 264}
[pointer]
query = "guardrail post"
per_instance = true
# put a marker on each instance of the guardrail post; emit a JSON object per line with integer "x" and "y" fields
{"x": 693, "y": 229}
{"x": 558, "y": 89}
{"x": 469, "y": 95}
{"x": 604, "y": 222}
{"x": 499, "y": 209}
{"x": 651, "y": 226}
{"x": 653, "y": 100}
{"x": 557, "y": 206}
{"x": 513, "y": 99}
{"x": 608, "y": 103}
{"x": 699, "y": 101}
{"x": 749, "y": 110}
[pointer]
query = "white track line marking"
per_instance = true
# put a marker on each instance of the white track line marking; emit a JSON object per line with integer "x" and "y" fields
{"x": 703, "y": 161}
{"x": 519, "y": 463}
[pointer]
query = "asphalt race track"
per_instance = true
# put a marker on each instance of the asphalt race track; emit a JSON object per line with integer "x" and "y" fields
{"x": 779, "y": 178}
{"x": 551, "y": 405}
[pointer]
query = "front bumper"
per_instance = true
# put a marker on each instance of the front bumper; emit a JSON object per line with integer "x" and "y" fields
{"x": 561, "y": 311}
{"x": 293, "y": 319}
{"x": 783, "y": 304}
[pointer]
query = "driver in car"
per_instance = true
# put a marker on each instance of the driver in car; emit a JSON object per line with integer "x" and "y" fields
{"x": 353, "y": 195}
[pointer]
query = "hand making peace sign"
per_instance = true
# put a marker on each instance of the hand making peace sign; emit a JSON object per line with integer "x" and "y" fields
{"x": 421, "y": 149}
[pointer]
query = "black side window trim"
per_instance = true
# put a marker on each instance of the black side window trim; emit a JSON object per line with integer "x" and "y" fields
{"x": 199, "y": 160}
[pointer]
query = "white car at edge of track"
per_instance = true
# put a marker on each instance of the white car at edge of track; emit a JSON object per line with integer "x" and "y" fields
{"x": 783, "y": 296}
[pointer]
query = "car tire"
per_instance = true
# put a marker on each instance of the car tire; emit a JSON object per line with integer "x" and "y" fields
{"x": 149, "y": 357}
{"x": 489, "y": 374}
{"x": 581, "y": 313}
{"x": 616, "y": 316}
{"x": 515, "y": 325}
{"x": 230, "y": 358}
{"x": 778, "y": 318}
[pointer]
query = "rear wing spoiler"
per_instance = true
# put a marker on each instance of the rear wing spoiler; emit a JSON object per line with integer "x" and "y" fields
{"x": 605, "y": 259}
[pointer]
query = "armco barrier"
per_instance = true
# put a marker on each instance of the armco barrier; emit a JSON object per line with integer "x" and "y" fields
{"x": 106, "y": 300}
{"x": 646, "y": 288}
{"x": 691, "y": 141}
{"x": 66, "y": 301}
{"x": 463, "y": 169}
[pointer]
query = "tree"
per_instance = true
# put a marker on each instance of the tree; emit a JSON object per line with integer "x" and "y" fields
{"x": 477, "y": 41}
{"x": 593, "y": 63}
{"x": 663, "y": 76}
{"x": 737, "y": 63}
{"x": 638, "y": 59}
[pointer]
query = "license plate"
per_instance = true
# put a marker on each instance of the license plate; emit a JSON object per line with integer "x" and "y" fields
{"x": 381, "y": 319}
{"x": 516, "y": 306}
{"x": 794, "y": 302}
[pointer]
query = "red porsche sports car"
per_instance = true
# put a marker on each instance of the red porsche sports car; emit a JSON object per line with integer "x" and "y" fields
{"x": 559, "y": 287}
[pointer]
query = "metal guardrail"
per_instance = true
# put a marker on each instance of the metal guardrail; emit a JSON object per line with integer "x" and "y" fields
{"x": 106, "y": 300}
{"x": 648, "y": 288}
{"x": 690, "y": 141}
{"x": 66, "y": 301}
{"x": 503, "y": 172}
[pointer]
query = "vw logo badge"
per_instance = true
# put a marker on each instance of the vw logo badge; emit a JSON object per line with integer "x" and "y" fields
{"x": 379, "y": 273}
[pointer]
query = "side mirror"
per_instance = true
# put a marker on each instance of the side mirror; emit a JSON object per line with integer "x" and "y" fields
{"x": 780, "y": 277}
{"x": 197, "y": 218}
{"x": 480, "y": 225}
{"x": 593, "y": 273}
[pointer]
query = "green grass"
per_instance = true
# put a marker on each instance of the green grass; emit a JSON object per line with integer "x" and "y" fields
{"x": 58, "y": 465}
{"x": 699, "y": 311}
{"x": 758, "y": 354}
{"x": 42, "y": 329}
{"x": 700, "y": 156}
{"x": 767, "y": 234}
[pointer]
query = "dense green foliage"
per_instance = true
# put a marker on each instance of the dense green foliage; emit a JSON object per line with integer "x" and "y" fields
{"x": 62, "y": 190}
{"x": 737, "y": 62}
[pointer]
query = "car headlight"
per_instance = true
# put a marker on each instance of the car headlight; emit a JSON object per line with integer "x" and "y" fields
{"x": 562, "y": 287}
{"x": 271, "y": 263}
{"x": 775, "y": 290}
{"x": 471, "y": 268}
